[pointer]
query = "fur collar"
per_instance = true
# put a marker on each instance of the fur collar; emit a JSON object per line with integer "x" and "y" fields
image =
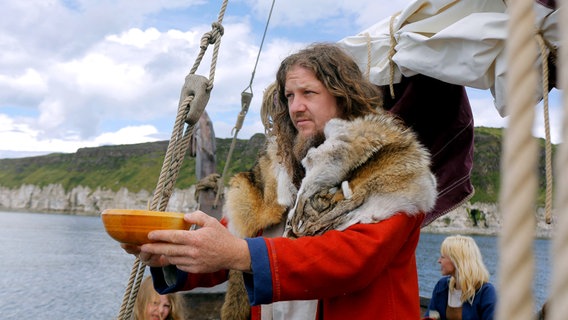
{"x": 366, "y": 170}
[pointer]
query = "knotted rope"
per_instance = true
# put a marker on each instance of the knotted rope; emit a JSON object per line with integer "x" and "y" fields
{"x": 193, "y": 100}
{"x": 519, "y": 179}
{"x": 544, "y": 54}
{"x": 558, "y": 308}
{"x": 392, "y": 52}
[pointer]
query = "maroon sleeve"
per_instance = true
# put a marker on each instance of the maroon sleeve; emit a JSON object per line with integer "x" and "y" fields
{"x": 441, "y": 115}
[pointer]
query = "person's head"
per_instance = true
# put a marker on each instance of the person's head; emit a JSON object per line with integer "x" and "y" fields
{"x": 314, "y": 85}
{"x": 461, "y": 259}
{"x": 150, "y": 305}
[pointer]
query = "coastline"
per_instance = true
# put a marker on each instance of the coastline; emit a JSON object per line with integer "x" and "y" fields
{"x": 469, "y": 219}
{"x": 484, "y": 219}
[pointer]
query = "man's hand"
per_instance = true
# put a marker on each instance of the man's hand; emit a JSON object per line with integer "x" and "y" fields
{"x": 146, "y": 258}
{"x": 208, "y": 249}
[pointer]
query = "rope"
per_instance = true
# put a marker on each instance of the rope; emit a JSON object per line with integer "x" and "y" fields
{"x": 392, "y": 52}
{"x": 558, "y": 308}
{"x": 369, "y": 57}
{"x": 547, "y": 144}
{"x": 246, "y": 98}
{"x": 205, "y": 184}
{"x": 519, "y": 180}
{"x": 193, "y": 100}
{"x": 127, "y": 301}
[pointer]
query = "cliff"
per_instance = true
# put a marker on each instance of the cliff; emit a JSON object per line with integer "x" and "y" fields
{"x": 123, "y": 176}
{"x": 471, "y": 218}
{"x": 85, "y": 201}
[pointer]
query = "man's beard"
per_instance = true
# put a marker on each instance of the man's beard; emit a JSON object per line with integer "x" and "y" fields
{"x": 303, "y": 144}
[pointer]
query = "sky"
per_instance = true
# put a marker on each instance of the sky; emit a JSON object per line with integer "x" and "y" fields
{"x": 88, "y": 73}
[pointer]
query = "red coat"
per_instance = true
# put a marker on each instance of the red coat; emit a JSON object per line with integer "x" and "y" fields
{"x": 303, "y": 269}
{"x": 352, "y": 229}
{"x": 306, "y": 268}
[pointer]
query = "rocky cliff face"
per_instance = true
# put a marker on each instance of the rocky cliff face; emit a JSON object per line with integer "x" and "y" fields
{"x": 481, "y": 219}
{"x": 477, "y": 218}
{"x": 84, "y": 201}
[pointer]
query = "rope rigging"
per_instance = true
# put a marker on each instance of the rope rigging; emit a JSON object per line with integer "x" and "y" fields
{"x": 519, "y": 157}
{"x": 193, "y": 100}
{"x": 246, "y": 98}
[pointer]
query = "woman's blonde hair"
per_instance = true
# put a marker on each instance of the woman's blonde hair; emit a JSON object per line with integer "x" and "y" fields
{"x": 146, "y": 293}
{"x": 471, "y": 272}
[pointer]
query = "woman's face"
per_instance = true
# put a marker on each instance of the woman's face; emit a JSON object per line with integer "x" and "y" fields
{"x": 158, "y": 308}
{"x": 447, "y": 268}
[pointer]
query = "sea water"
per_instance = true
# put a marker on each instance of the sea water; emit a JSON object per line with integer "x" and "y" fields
{"x": 67, "y": 267}
{"x": 428, "y": 252}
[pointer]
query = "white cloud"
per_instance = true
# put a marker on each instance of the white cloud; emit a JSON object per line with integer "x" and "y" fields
{"x": 98, "y": 72}
{"x": 21, "y": 138}
{"x": 127, "y": 135}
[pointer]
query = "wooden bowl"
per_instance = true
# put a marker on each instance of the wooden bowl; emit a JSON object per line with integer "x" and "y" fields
{"x": 133, "y": 226}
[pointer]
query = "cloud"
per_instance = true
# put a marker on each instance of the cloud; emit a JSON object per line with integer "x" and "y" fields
{"x": 91, "y": 72}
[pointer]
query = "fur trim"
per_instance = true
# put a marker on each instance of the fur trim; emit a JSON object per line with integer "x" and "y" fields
{"x": 367, "y": 170}
{"x": 236, "y": 305}
{"x": 258, "y": 198}
{"x": 385, "y": 166}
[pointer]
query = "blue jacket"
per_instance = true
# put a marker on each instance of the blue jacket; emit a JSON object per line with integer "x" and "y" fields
{"x": 482, "y": 308}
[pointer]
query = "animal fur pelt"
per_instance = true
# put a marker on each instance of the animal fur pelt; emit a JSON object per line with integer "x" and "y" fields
{"x": 366, "y": 170}
{"x": 251, "y": 206}
{"x": 236, "y": 305}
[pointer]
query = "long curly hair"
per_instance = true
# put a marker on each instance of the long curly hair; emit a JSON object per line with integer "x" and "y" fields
{"x": 356, "y": 96}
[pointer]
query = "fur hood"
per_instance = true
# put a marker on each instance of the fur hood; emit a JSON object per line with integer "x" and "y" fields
{"x": 366, "y": 170}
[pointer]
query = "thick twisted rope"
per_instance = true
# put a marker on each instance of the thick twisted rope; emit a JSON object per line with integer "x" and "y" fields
{"x": 369, "y": 56}
{"x": 193, "y": 99}
{"x": 547, "y": 144}
{"x": 392, "y": 52}
{"x": 132, "y": 288}
{"x": 519, "y": 179}
{"x": 558, "y": 308}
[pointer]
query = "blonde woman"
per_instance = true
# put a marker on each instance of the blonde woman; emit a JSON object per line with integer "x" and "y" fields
{"x": 464, "y": 293}
{"x": 152, "y": 306}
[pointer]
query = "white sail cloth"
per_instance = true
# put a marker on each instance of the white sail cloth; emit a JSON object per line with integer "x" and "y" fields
{"x": 456, "y": 41}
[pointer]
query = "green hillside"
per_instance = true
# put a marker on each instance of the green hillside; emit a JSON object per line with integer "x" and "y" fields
{"x": 137, "y": 166}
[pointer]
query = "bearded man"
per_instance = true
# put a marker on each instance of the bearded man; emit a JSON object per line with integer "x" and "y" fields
{"x": 326, "y": 224}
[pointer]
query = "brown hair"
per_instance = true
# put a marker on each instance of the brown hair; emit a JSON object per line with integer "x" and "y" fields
{"x": 338, "y": 72}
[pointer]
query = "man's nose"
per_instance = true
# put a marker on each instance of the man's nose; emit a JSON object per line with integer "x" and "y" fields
{"x": 297, "y": 105}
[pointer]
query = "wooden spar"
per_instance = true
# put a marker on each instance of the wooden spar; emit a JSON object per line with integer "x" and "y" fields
{"x": 205, "y": 165}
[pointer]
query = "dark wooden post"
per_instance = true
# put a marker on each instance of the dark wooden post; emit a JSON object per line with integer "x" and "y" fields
{"x": 205, "y": 164}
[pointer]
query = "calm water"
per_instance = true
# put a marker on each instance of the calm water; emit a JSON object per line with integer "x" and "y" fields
{"x": 428, "y": 252}
{"x": 67, "y": 267}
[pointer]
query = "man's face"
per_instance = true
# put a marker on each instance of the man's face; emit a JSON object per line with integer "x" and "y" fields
{"x": 310, "y": 104}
